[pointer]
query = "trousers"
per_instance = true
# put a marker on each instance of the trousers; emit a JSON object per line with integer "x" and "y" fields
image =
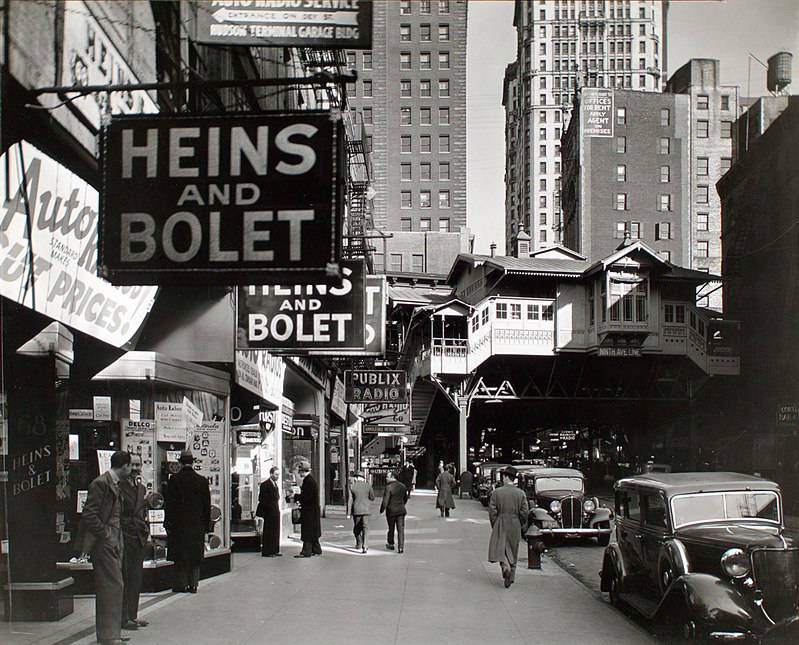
{"x": 132, "y": 559}
{"x": 398, "y": 522}
{"x": 109, "y": 588}
{"x": 360, "y": 529}
{"x": 187, "y": 573}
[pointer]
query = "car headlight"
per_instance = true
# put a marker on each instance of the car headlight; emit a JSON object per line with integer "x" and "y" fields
{"x": 735, "y": 563}
{"x": 589, "y": 506}
{"x": 555, "y": 506}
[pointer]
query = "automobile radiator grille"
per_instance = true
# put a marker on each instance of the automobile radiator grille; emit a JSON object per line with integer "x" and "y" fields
{"x": 776, "y": 573}
{"x": 572, "y": 512}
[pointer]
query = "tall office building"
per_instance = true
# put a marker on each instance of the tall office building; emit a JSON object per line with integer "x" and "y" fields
{"x": 411, "y": 91}
{"x": 563, "y": 45}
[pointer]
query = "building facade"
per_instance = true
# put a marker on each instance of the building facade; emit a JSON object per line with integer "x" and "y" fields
{"x": 563, "y": 46}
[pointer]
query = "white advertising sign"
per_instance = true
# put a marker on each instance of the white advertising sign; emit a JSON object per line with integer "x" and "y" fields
{"x": 193, "y": 417}
{"x": 261, "y": 373}
{"x": 207, "y": 446}
{"x": 52, "y": 269}
{"x": 170, "y": 424}
{"x": 76, "y": 413}
{"x": 104, "y": 460}
{"x": 101, "y": 408}
{"x": 138, "y": 438}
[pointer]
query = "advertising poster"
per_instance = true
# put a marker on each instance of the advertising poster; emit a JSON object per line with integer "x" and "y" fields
{"x": 386, "y": 414}
{"x": 138, "y": 437}
{"x": 596, "y": 109}
{"x": 101, "y": 407}
{"x": 207, "y": 445}
{"x": 192, "y": 417}
{"x": 170, "y": 425}
{"x": 104, "y": 460}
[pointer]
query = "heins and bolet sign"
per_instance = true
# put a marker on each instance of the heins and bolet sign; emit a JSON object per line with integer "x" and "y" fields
{"x": 221, "y": 198}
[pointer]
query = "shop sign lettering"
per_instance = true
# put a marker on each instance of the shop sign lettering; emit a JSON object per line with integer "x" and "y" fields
{"x": 26, "y": 470}
{"x": 388, "y": 414}
{"x": 375, "y": 385}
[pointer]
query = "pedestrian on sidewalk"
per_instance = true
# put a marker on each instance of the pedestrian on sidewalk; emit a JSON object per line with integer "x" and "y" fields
{"x": 466, "y": 484}
{"x": 408, "y": 476}
{"x": 187, "y": 517}
{"x": 269, "y": 509}
{"x": 310, "y": 513}
{"x": 393, "y": 504}
{"x": 103, "y": 541}
{"x": 135, "y": 533}
{"x": 360, "y": 507}
{"x": 507, "y": 512}
{"x": 445, "y": 482}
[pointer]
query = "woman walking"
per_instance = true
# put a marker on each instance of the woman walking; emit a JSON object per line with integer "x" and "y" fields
{"x": 445, "y": 482}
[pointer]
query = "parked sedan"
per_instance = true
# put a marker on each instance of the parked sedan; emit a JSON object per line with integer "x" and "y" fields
{"x": 559, "y": 506}
{"x": 705, "y": 551}
{"x": 487, "y": 477}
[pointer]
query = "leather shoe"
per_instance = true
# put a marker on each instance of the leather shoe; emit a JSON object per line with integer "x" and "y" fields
{"x": 364, "y": 550}
{"x": 390, "y": 547}
{"x": 180, "y": 589}
{"x": 506, "y": 576}
{"x": 130, "y": 625}
{"x": 191, "y": 589}
{"x": 400, "y": 550}
{"x": 302, "y": 555}
{"x": 141, "y": 622}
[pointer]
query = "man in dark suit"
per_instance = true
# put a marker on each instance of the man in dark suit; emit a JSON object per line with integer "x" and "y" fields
{"x": 135, "y": 532}
{"x": 188, "y": 515}
{"x": 393, "y": 504}
{"x": 311, "y": 514}
{"x": 407, "y": 473}
{"x": 269, "y": 509}
{"x": 103, "y": 540}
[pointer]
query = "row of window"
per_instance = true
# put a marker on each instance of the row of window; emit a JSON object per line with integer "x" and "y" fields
{"x": 425, "y": 88}
{"x": 424, "y": 6}
{"x": 406, "y": 224}
{"x": 425, "y": 60}
{"x": 425, "y": 33}
{"x": 702, "y": 125}
{"x": 396, "y": 262}
{"x": 663, "y": 231}
{"x": 565, "y": 12}
{"x": 425, "y": 116}
{"x": 425, "y": 144}
{"x": 425, "y": 199}
{"x": 703, "y": 102}
{"x": 425, "y": 171}
{"x": 513, "y": 311}
{"x": 664, "y": 202}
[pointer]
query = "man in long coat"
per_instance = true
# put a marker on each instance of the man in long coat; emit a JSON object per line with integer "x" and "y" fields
{"x": 507, "y": 512}
{"x": 310, "y": 513}
{"x": 188, "y": 515}
{"x": 269, "y": 509}
{"x": 135, "y": 533}
{"x": 445, "y": 484}
{"x": 360, "y": 507}
{"x": 103, "y": 540}
{"x": 393, "y": 504}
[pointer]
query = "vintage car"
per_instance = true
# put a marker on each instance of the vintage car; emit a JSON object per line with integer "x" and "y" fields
{"x": 559, "y": 507}
{"x": 486, "y": 478}
{"x": 703, "y": 552}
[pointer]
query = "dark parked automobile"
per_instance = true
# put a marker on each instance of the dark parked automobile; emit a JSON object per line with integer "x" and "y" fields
{"x": 705, "y": 552}
{"x": 487, "y": 477}
{"x": 559, "y": 506}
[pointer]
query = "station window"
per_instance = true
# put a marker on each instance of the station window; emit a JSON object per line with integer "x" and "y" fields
{"x": 515, "y": 311}
{"x": 484, "y": 315}
{"x": 502, "y": 311}
{"x": 548, "y": 312}
{"x": 533, "y": 312}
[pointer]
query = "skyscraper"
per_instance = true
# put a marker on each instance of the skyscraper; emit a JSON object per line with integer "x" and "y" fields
{"x": 411, "y": 91}
{"x": 563, "y": 45}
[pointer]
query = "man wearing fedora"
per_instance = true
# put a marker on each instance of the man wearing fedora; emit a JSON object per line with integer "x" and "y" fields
{"x": 188, "y": 515}
{"x": 507, "y": 512}
{"x": 311, "y": 514}
{"x": 360, "y": 507}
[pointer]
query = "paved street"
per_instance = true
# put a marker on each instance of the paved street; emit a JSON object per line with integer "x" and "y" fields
{"x": 441, "y": 590}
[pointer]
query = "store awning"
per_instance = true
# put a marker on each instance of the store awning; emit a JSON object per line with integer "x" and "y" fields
{"x": 166, "y": 370}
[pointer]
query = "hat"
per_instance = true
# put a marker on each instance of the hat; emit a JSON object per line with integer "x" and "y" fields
{"x": 186, "y": 457}
{"x": 358, "y": 473}
{"x": 304, "y": 465}
{"x": 510, "y": 471}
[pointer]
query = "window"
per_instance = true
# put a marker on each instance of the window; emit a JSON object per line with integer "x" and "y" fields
{"x": 542, "y": 116}
{"x": 702, "y": 102}
{"x": 621, "y": 144}
{"x": 424, "y": 6}
{"x": 367, "y": 60}
{"x": 542, "y": 166}
{"x": 542, "y": 184}
{"x": 542, "y": 31}
{"x": 380, "y": 262}
{"x": 350, "y": 59}
{"x": 726, "y": 129}
{"x": 443, "y": 33}
{"x": 547, "y": 311}
{"x": 405, "y": 144}
{"x": 405, "y": 7}
{"x": 666, "y": 255}
{"x": 664, "y": 202}
{"x": 424, "y": 224}
{"x": 655, "y": 511}
{"x": 542, "y": 235}
{"x": 642, "y": 12}
{"x": 443, "y": 199}
{"x": 621, "y": 201}
{"x": 417, "y": 263}
{"x": 663, "y": 231}
{"x": 443, "y": 116}
{"x": 702, "y": 129}
{"x": 396, "y": 261}
{"x": 424, "y": 60}
{"x": 665, "y": 145}
{"x": 621, "y": 116}
{"x": 367, "y": 116}
{"x": 665, "y": 174}
{"x": 642, "y": 47}
{"x": 405, "y": 116}
{"x": 424, "y": 172}
{"x": 635, "y": 230}
{"x": 424, "y": 116}
{"x": 367, "y": 89}
{"x": 484, "y": 316}
{"x": 425, "y": 88}
{"x": 542, "y": 134}
{"x": 425, "y": 201}
{"x": 443, "y": 60}
{"x": 515, "y": 311}
{"x": 443, "y": 172}
{"x": 405, "y": 60}
{"x": 425, "y": 35}
{"x": 443, "y": 143}
{"x": 405, "y": 33}
{"x": 405, "y": 224}
{"x": 405, "y": 199}
{"x": 726, "y": 164}
{"x": 665, "y": 116}
{"x": 405, "y": 89}
{"x": 443, "y": 225}
{"x": 619, "y": 230}
{"x": 425, "y": 146}
{"x": 405, "y": 172}
{"x": 502, "y": 311}
{"x": 725, "y": 102}
{"x": 443, "y": 88}
{"x": 702, "y": 164}
{"x": 702, "y": 248}
{"x": 642, "y": 30}
{"x": 443, "y": 7}
{"x": 542, "y": 150}
{"x": 702, "y": 221}
{"x": 533, "y": 312}
{"x": 702, "y": 194}
{"x": 542, "y": 218}
{"x": 621, "y": 172}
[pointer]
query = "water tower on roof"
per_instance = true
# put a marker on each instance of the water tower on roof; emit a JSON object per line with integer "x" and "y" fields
{"x": 779, "y": 72}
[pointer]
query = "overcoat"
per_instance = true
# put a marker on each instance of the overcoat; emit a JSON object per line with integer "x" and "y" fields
{"x": 445, "y": 482}
{"x": 311, "y": 523}
{"x": 507, "y": 512}
{"x": 188, "y": 514}
{"x": 361, "y": 494}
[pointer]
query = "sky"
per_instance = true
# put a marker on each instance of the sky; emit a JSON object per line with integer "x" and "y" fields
{"x": 729, "y": 30}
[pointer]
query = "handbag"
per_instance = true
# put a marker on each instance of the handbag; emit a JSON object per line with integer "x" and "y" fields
{"x": 296, "y": 515}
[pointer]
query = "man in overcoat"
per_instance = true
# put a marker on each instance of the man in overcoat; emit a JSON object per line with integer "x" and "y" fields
{"x": 407, "y": 475}
{"x": 135, "y": 533}
{"x": 507, "y": 512}
{"x": 311, "y": 514}
{"x": 269, "y": 509}
{"x": 188, "y": 515}
{"x": 103, "y": 541}
{"x": 360, "y": 507}
{"x": 393, "y": 504}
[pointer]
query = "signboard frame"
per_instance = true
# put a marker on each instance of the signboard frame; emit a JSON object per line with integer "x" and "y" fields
{"x": 375, "y": 386}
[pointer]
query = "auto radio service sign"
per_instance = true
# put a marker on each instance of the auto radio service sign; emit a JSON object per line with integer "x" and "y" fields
{"x": 221, "y": 199}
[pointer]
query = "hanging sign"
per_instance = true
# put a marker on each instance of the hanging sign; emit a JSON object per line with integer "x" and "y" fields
{"x": 386, "y": 414}
{"x": 367, "y": 386}
{"x": 222, "y": 199}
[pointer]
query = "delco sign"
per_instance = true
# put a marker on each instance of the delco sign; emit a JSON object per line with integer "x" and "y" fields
{"x": 221, "y": 199}
{"x": 375, "y": 385}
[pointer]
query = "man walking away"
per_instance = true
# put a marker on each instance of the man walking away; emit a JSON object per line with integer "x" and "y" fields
{"x": 507, "y": 512}
{"x": 135, "y": 532}
{"x": 408, "y": 476}
{"x": 269, "y": 509}
{"x": 188, "y": 514}
{"x": 393, "y": 504}
{"x": 311, "y": 514}
{"x": 103, "y": 540}
{"x": 360, "y": 507}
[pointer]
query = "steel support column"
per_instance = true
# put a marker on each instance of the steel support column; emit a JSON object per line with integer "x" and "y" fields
{"x": 463, "y": 418}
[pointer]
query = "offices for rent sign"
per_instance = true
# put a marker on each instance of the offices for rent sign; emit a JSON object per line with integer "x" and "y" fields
{"x": 596, "y": 108}
{"x": 223, "y": 199}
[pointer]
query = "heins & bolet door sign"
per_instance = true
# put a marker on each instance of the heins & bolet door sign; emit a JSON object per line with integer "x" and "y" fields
{"x": 221, "y": 199}
{"x": 367, "y": 386}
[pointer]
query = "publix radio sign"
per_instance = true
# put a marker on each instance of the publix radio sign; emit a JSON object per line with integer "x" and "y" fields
{"x": 375, "y": 385}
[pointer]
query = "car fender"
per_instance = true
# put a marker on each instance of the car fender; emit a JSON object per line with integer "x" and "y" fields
{"x": 540, "y": 515}
{"x": 612, "y": 559}
{"x": 601, "y": 514}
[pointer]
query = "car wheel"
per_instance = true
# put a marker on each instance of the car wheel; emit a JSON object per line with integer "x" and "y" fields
{"x": 614, "y": 589}
{"x": 603, "y": 539}
{"x": 665, "y": 576}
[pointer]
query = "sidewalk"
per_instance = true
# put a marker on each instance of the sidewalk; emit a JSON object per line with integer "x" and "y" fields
{"x": 441, "y": 590}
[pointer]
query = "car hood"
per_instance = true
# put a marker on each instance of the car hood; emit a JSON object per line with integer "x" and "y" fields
{"x": 726, "y": 535}
{"x": 552, "y": 495}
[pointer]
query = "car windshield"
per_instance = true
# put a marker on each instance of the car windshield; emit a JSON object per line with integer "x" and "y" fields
{"x": 571, "y": 484}
{"x": 714, "y": 507}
